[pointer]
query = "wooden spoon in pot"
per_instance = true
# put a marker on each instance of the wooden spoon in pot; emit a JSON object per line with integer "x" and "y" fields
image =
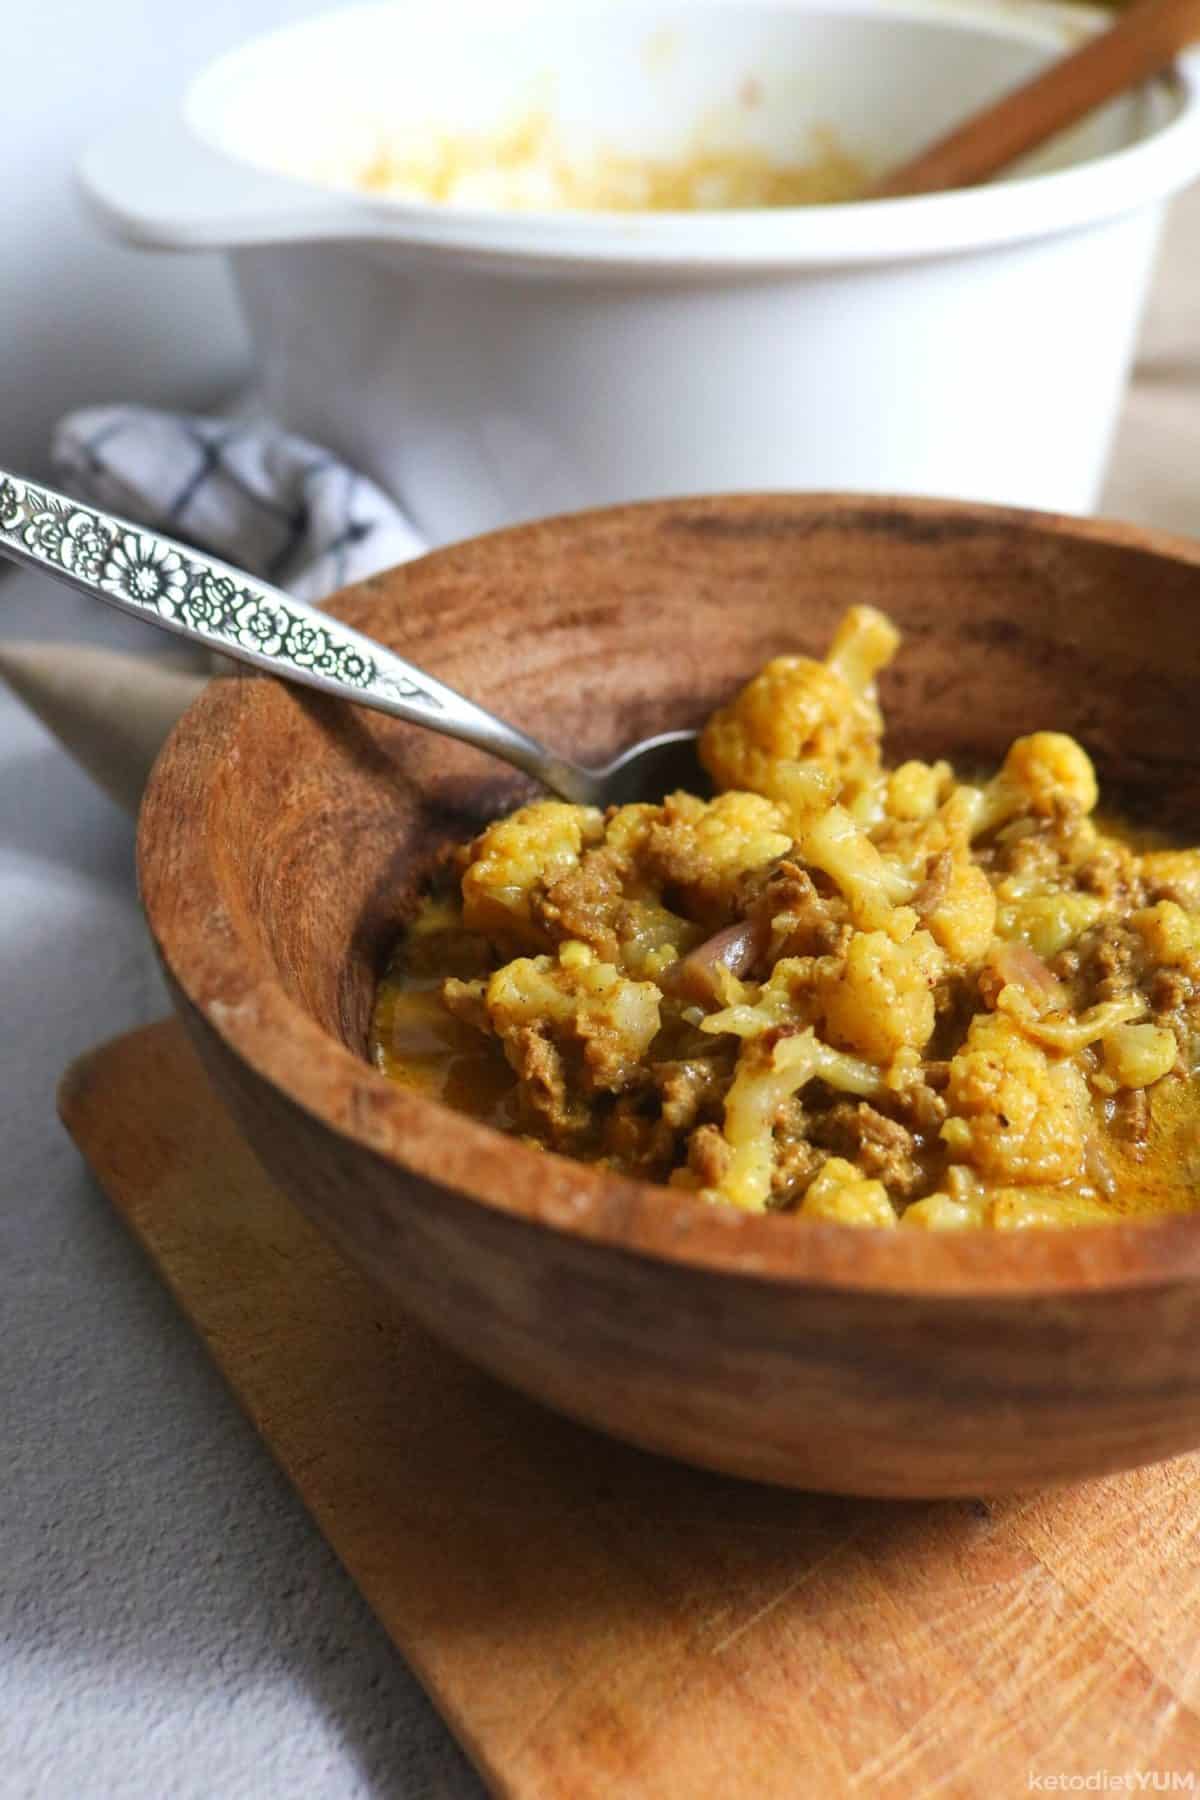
{"x": 1139, "y": 45}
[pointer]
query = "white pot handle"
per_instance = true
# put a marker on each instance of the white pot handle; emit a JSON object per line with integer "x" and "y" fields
{"x": 157, "y": 185}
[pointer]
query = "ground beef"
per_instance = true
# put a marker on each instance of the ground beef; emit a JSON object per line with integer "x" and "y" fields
{"x": 797, "y": 1163}
{"x": 1035, "y": 849}
{"x": 1168, "y": 991}
{"x": 939, "y": 872}
{"x": 586, "y": 903}
{"x": 921, "y": 1106}
{"x": 1110, "y": 962}
{"x": 708, "y": 1155}
{"x": 1066, "y": 965}
{"x": 467, "y": 1000}
{"x": 1175, "y": 1004}
{"x": 1111, "y": 874}
{"x": 802, "y": 921}
{"x": 881, "y": 1147}
{"x": 1131, "y": 1120}
{"x": 544, "y": 1085}
{"x": 690, "y": 1090}
{"x": 696, "y": 873}
{"x": 639, "y": 1141}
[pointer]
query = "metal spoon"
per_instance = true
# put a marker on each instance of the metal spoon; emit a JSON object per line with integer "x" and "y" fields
{"x": 211, "y": 603}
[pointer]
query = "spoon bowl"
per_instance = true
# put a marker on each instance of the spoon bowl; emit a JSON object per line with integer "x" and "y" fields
{"x": 656, "y": 766}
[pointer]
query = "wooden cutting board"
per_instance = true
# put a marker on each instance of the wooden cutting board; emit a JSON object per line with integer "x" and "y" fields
{"x": 594, "y": 1621}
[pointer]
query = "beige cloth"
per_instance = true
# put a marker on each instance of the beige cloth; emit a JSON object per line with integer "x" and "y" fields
{"x": 112, "y": 712}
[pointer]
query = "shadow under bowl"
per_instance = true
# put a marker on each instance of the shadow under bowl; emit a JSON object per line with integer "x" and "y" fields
{"x": 283, "y": 838}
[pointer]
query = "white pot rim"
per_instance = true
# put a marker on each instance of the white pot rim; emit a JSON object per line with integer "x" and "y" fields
{"x": 165, "y": 184}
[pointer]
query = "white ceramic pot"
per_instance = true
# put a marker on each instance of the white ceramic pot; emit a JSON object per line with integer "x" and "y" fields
{"x": 488, "y": 366}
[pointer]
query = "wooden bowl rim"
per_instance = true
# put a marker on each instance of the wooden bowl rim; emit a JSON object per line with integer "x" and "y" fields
{"x": 276, "y": 1039}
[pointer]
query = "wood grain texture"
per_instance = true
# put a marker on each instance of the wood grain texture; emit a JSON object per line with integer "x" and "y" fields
{"x": 592, "y": 1620}
{"x": 284, "y": 837}
{"x": 1138, "y": 45}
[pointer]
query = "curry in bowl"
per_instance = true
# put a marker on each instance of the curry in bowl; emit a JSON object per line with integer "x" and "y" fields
{"x": 285, "y": 843}
{"x": 880, "y": 996}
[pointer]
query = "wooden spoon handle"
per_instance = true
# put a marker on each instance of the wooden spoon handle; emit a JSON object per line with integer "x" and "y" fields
{"x": 1140, "y": 44}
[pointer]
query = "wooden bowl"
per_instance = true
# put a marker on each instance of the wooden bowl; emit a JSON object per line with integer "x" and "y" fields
{"x": 283, "y": 837}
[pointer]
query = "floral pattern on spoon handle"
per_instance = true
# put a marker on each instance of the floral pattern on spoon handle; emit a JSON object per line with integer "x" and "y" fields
{"x": 144, "y": 572}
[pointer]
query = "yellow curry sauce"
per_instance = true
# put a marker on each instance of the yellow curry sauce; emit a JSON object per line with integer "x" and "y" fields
{"x": 878, "y": 996}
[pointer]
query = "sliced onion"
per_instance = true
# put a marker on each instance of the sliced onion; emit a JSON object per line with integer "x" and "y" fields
{"x": 1019, "y": 966}
{"x": 1098, "y": 1168}
{"x": 734, "y": 948}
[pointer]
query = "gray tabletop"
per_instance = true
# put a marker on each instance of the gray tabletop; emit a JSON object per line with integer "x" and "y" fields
{"x": 171, "y": 1623}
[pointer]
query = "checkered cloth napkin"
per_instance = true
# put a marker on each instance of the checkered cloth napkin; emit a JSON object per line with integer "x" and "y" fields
{"x": 272, "y": 504}
{"x": 237, "y": 487}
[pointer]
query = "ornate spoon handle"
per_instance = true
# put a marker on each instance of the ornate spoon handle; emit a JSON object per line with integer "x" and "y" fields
{"x": 223, "y": 608}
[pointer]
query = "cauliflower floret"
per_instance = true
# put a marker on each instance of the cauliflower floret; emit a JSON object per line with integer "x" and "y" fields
{"x": 842, "y": 1194}
{"x": 784, "y": 999}
{"x": 1017, "y": 1115}
{"x": 695, "y": 850}
{"x": 1065, "y": 1031}
{"x": 600, "y": 1023}
{"x": 517, "y": 859}
{"x": 1169, "y": 934}
{"x": 1007, "y": 1209}
{"x": 768, "y": 1074}
{"x": 1136, "y": 1056}
{"x": 864, "y": 642}
{"x": 797, "y": 710}
{"x": 1049, "y": 768}
{"x": 871, "y": 886}
{"x": 1042, "y": 774}
{"x": 880, "y": 1000}
{"x": 960, "y": 1201}
{"x": 915, "y": 790}
{"x": 788, "y": 1000}
{"x": 626, "y": 828}
{"x": 1175, "y": 874}
{"x": 1048, "y": 923}
{"x": 1022, "y": 1209}
{"x": 944, "y": 1212}
{"x": 963, "y": 920}
{"x": 933, "y": 850}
